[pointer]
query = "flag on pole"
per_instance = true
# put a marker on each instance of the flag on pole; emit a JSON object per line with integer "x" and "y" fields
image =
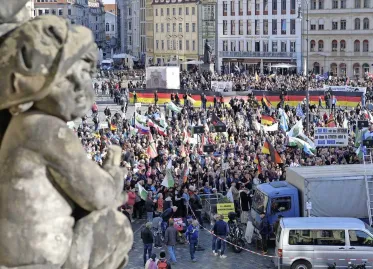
{"x": 191, "y": 100}
{"x": 299, "y": 111}
{"x": 151, "y": 151}
{"x": 296, "y": 129}
{"x": 171, "y": 106}
{"x": 269, "y": 149}
{"x": 267, "y": 120}
{"x": 113, "y": 127}
{"x": 140, "y": 118}
{"x": 168, "y": 181}
{"x": 141, "y": 128}
{"x": 256, "y": 77}
{"x": 284, "y": 120}
{"x": 266, "y": 102}
{"x": 185, "y": 173}
{"x": 142, "y": 192}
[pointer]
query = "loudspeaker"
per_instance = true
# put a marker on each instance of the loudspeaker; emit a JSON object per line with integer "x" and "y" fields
{"x": 362, "y": 124}
{"x": 220, "y": 128}
{"x": 368, "y": 143}
{"x": 198, "y": 130}
{"x": 208, "y": 148}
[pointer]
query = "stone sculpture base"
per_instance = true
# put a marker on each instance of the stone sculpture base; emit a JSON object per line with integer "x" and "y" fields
{"x": 207, "y": 68}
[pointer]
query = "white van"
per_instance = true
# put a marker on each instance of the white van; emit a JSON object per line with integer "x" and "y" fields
{"x": 304, "y": 243}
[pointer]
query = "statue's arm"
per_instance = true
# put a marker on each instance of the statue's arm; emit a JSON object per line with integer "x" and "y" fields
{"x": 85, "y": 182}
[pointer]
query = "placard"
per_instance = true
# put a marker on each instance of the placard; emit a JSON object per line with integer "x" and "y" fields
{"x": 225, "y": 209}
{"x": 331, "y": 137}
{"x": 222, "y": 86}
{"x": 137, "y": 105}
{"x": 104, "y": 125}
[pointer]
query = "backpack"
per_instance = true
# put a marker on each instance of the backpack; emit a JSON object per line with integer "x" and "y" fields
{"x": 162, "y": 264}
{"x": 152, "y": 265}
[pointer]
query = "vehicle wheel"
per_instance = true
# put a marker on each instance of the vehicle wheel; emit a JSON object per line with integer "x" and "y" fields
{"x": 301, "y": 265}
{"x": 238, "y": 242}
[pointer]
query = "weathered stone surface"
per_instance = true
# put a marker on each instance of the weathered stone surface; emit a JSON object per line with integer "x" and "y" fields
{"x": 45, "y": 176}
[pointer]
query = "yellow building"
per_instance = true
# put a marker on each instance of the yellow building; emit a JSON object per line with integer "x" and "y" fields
{"x": 149, "y": 32}
{"x": 175, "y": 31}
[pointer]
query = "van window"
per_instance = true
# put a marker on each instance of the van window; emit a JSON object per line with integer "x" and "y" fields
{"x": 278, "y": 233}
{"x": 260, "y": 201}
{"x": 360, "y": 239}
{"x": 280, "y": 204}
{"x": 329, "y": 237}
{"x": 300, "y": 237}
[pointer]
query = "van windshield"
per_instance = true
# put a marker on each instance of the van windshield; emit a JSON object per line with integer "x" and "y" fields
{"x": 260, "y": 201}
{"x": 370, "y": 229}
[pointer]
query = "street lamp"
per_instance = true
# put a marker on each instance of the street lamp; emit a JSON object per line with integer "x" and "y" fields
{"x": 306, "y": 67}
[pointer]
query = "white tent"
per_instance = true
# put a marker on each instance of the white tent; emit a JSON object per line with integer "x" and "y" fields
{"x": 283, "y": 65}
{"x": 123, "y": 56}
{"x": 193, "y": 62}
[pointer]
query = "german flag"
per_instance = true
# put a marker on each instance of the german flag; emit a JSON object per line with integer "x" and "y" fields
{"x": 266, "y": 102}
{"x": 256, "y": 160}
{"x": 270, "y": 150}
{"x": 113, "y": 127}
{"x": 331, "y": 121}
{"x": 267, "y": 120}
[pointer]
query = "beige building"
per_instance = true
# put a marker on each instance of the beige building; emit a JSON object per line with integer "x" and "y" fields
{"x": 175, "y": 31}
{"x": 340, "y": 37}
{"x": 149, "y": 31}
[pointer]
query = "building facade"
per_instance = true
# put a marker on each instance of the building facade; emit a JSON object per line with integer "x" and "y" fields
{"x": 256, "y": 34}
{"x": 207, "y": 26}
{"x": 175, "y": 31}
{"x": 110, "y": 26}
{"x": 31, "y": 8}
{"x": 149, "y": 31}
{"x": 96, "y": 20}
{"x": 340, "y": 37}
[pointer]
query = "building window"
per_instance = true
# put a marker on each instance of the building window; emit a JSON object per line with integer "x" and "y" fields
{"x": 343, "y": 3}
{"x": 343, "y": 24}
{"x": 240, "y": 27}
{"x": 129, "y": 25}
{"x": 292, "y": 46}
{"x": 313, "y": 25}
{"x": 292, "y": 26}
{"x": 321, "y": 4}
{"x": 292, "y": 6}
{"x": 365, "y": 46}
{"x": 283, "y": 26}
{"x": 180, "y": 27}
{"x": 312, "y": 45}
{"x": 162, "y": 44}
{"x": 233, "y": 27}
{"x": 240, "y": 8}
{"x": 46, "y": 12}
{"x": 283, "y": 46}
{"x": 225, "y": 45}
{"x": 157, "y": 44}
{"x": 357, "y": 3}
{"x": 274, "y": 46}
{"x": 257, "y": 27}
{"x": 257, "y": 46}
{"x": 193, "y": 11}
{"x": 334, "y": 45}
{"x": 173, "y": 45}
{"x": 313, "y": 4}
{"x": 225, "y": 27}
{"x": 248, "y": 28}
{"x": 53, "y": 12}
{"x": 357, "y": 46}
{"x": 265, "y": 7}
{"x": 357, "y": 24}
{"x": 156, "y": 12}
{"x": 265, "y": 27}
{"x": 321, "y": 45}
{"x": 187, "y": 27}
{"x": 232, "y": 8}
{"x": 265, "y": 46}
{"x": 107, "y": 27}
{"x": 225, "y": 8}
{"x": 162, "y": 28}
{"x": 283, "y": 6}
{"x": 112, "y": 27}
{"x": 168, "y": 27}
{"x": 40, "y": 12}
{"x": 193, "y": 45}
{"x": 168, "y": 45}
{"x": 274, "y": 7}
{"x": 257, "y": 7}
{"x": 168, "y": 12}
{"x": 248, "y": 7}
{"x": 180, "y": 11}
{"x": 334, "y": 25}
{"x": 187, "y": 44}
{"x": 193, "y": 27}
{"x": 161, "y": 11}
{"x": 274, "y": 27}
{"x": 321, "y": 24}
{"x": 156, "y": 27}
{"x": 366, "y": 68}
{"x": 366, "y": 24}
{"x": 69, "y": 13}
{"x": 180, "y": 44}
{"x": 335, "y": 4}
{"x": 366, "y": 3}
{"x": 342, "y": 45}
{"x": 129, "y": 12}
{"x": 233, "y": 45}
{"x": 174, "y": 27}
{"x": 187, "y": 11}
{"x": 356, "y": 68}
{"x": 130, "y": 40}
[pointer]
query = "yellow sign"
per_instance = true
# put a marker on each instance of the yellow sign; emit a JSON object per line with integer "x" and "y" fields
{"x": 225, "y": 209}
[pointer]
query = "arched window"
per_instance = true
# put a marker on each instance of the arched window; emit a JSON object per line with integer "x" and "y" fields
{"x": 342, "y": 69}
{"x": 357, "y": 24}
{"x": 334, "y": 69}
{"x": 357, "y": 46}
{"x": 366, "y": 24}
{"x": 365, "y": 46}
{"x": 334, "y": 45}
{"x": 366, "y": 68}
{"x": 316, "y": 68}
{"x": 107, "y": 27}
{"x": 312, "y": 45}
{"x": 321, "y": 45}
{"x": 356, "y": 68}
{"x": 343, "y": 45}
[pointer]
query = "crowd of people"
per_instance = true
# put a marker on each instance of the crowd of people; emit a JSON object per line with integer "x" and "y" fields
{"x": 179, "y": 155}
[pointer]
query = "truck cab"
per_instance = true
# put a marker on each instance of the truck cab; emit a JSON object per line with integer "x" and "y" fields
{"x": 274, "y": 199}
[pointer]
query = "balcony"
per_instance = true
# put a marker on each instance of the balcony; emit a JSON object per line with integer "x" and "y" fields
{"x": 254, "y": 54}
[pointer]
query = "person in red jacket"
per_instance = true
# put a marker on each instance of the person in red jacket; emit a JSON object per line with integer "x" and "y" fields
{"x": 131, "y": 199}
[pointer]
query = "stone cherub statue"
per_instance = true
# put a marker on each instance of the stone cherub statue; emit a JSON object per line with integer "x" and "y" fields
{"x": 57, "y": 207}
{"x": 207, "y": 58}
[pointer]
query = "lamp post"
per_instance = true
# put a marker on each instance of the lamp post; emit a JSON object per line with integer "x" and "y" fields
{"x": 306, "y": 65}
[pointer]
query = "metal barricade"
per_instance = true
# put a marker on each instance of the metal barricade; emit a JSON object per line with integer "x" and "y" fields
{"x": 209, "y": 204}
